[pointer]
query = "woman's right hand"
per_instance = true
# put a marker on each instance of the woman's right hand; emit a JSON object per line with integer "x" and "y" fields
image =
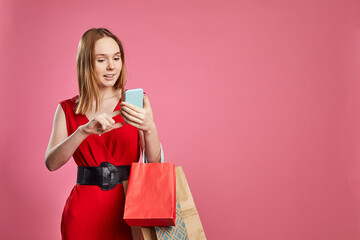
{"x": 102, "y": 123}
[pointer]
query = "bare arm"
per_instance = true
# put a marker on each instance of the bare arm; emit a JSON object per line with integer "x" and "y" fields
{"x": 151, "y": 141}
{"x": 61, "y": 146}
{"x": 142, "y": 118}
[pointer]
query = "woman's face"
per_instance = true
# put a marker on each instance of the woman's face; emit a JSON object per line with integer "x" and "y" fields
{"x": 108, "y": 63}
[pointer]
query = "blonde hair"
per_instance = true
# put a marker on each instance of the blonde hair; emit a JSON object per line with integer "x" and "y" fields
{"x": 85, "y": 66}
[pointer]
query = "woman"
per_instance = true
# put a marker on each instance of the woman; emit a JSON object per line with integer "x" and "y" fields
{"x": 103, "y": 143}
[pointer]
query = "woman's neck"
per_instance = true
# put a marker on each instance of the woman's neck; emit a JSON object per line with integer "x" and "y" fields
{"x": 108, "y": 92}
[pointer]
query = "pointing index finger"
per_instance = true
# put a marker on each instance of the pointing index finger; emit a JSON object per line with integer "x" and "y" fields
{"x": 114, "y": 114}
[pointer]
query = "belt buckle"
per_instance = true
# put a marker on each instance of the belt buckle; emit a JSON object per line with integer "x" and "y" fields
{"x": 109, "y": 176}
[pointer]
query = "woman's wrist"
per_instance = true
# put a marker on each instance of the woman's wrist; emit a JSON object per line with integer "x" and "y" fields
{"x": 151, "y": 130}
{"x": 82, "y": 131}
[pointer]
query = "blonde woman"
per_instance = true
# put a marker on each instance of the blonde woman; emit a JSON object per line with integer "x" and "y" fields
{"x": 103, "y": 142}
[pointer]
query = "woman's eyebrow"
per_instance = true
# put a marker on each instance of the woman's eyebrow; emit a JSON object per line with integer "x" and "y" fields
{"x": 102, "y": 54}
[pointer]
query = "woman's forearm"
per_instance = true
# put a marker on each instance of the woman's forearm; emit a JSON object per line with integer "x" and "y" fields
{"x": 152, "y": 143}
{"x": 62, "y": 152}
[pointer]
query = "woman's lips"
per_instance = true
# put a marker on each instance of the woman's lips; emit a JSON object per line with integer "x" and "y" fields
{"x": 109, "y": 76}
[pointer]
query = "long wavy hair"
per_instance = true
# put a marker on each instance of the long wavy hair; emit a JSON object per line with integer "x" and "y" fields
{"x": 85, "y": 67}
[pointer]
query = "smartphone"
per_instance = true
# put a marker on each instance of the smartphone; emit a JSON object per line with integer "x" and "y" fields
{"x": 135, "y": 97}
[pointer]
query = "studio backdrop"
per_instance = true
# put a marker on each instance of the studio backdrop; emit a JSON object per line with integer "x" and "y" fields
{"x": 258, "y": 101}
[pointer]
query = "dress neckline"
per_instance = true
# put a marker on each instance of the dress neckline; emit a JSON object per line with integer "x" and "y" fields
{"x": 116, "y": 106}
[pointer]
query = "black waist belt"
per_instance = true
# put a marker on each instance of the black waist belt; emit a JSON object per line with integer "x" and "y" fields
{"x": 107, "y": 176}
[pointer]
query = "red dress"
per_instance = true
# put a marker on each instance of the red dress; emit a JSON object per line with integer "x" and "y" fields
{"x": 91, "y": 213}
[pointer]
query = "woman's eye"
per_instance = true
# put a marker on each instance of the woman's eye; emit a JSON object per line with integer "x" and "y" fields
{"x": 100, "y": 60}
{"x": 117, "y": 58}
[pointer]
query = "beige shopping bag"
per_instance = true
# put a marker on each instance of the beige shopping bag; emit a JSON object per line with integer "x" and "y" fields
{"x": 188, "y": 225}
{"x": 190, "y": 214}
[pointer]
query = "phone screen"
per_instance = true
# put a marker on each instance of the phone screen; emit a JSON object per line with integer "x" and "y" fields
{"x": 135, "y": 97}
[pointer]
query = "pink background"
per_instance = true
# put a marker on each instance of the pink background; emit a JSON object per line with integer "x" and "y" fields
{"x": 257, "y": 100}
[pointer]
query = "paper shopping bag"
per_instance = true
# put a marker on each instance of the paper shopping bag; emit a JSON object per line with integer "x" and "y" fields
{"x": 177, "y": 232}
{"x": 188, "y": 224}
{"x": 151, "y": 195}
{"x": 140, "y": 233}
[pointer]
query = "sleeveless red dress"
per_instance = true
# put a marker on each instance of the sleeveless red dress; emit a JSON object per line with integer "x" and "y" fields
{"x": 91, "y": 213}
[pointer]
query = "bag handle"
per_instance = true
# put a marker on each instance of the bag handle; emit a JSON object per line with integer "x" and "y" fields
{"x": 144, "y": 158}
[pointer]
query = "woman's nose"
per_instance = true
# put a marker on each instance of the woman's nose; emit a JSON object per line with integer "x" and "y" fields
{"x": 110, "y": 65}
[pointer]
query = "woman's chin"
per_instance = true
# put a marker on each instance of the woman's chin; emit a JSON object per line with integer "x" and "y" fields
{"x": 107, "y": 84}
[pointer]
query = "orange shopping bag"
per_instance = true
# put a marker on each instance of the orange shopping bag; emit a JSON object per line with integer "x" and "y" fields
{"x": 151, "y": 195}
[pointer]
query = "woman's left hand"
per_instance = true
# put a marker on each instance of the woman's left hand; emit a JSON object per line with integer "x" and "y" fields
{"x": 141, "y": 118}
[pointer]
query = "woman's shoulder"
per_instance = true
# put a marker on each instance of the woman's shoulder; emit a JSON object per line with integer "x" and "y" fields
{"x": 70, "y": 102}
